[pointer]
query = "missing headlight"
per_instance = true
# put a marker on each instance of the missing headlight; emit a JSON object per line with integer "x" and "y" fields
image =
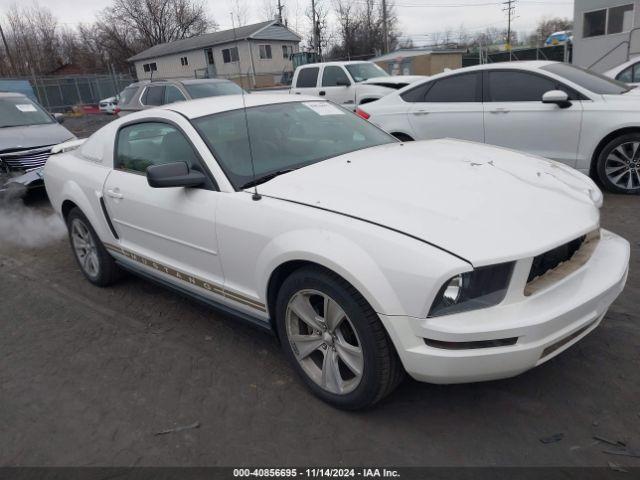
{"x": 481, "y": 288}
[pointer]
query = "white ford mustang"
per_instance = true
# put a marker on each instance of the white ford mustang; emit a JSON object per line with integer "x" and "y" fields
{"x": 368, "y": 257}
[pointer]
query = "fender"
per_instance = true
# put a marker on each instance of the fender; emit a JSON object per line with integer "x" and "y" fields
{"x": 337, "y": 253}
{"x": 90, "y": 207}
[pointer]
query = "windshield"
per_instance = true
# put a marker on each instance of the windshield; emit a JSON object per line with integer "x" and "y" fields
{"x": 20, "y": 112}
{"x": 364, "y": 71}
{"x": 212, "y": 89}
{"x": 284, "y": 136}
{"x": 592, "y": 81}
{"x": 127, "y": 94}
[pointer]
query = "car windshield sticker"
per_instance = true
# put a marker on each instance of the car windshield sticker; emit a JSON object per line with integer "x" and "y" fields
{"x": 323, "y": 108}
{"x": 26, "y": 107}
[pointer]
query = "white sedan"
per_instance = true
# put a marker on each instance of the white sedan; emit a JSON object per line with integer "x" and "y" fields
{"x": 346, "y": 243}
{"x": 554, "y": 110}
{"x": 627, "y": 72}
{"x": 108, "y": 105}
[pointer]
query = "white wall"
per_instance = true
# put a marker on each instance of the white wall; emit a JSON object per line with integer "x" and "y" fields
{"x": 586, "y": 51}
{"x": 169, "y": 66}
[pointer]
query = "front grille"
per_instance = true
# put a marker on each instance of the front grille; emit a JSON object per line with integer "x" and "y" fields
{"x": 551, "y": 259}
{"x": 554, "y": 265}
{"x": 25, "y": 159}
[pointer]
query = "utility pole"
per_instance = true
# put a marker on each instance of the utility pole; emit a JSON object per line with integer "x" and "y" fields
{"x": 385, "y": 33}
{"x": 6, "y": 49}
{"x": 314, "y": 38}
{"x": 510, "y": 6}
{"x": 280, "y": 7}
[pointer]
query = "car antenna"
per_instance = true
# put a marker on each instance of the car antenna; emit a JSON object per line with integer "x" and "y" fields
{"x": 256, "y": 196}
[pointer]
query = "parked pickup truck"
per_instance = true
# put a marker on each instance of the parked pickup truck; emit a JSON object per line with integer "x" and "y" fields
{"x": 347, "y": 83}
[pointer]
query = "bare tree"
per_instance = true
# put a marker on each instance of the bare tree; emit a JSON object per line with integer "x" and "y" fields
{"x": 159, "y": 21}
{"x": 239, "y": 12}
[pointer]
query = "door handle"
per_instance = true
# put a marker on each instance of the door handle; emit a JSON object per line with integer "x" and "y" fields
{"x": 113, "y": 193}
{"x": 499, "y": 110}
{"x": 297, "y": 93}
{"x": 421, "y": 112}
{"x": 322, "y": 93}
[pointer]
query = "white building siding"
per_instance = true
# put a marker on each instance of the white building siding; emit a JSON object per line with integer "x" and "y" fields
{"x": 170, "y": 66}
{"x": 250, "y": 63}
{"x": 589, "y": 52}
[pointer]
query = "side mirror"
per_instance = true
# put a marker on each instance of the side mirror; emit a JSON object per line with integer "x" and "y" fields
{"x": 175, "y": 174}
{"x": 58, "y": 117}
{"x": 558, "y": 97}
{"x": 343, "y": 83}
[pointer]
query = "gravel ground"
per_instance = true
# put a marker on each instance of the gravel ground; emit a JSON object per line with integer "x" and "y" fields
{"x": 89, "y": 376}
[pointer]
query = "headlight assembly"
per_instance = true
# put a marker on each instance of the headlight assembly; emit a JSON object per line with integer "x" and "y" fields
{"x": 481, "y": 288}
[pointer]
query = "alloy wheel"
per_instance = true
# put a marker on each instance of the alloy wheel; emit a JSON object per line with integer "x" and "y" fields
{"x": 85, "y": 248}
{"x": 324, "y": 341}
{"x": 622, "y": 166}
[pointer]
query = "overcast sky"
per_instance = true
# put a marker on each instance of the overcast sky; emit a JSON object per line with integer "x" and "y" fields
{"x": 417, "y": 17}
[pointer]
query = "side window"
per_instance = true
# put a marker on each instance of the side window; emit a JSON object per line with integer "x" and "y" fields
{"x": 417, "y": 94}
{"x": 307, "y": 77}
{"x": 333, "y": 75}
{"x": 154, "y": 95}
{"x": 518, "y": 87}
{"x": 459, "y": 88}
{"x": 626, "y": 75}
{"x": 172, "y": 94}
{"x": 152, "y": 143}
{"x": 636, "y": 73}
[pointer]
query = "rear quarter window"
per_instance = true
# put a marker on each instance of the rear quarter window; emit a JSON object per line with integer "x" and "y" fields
{"x": 307, "y": 77}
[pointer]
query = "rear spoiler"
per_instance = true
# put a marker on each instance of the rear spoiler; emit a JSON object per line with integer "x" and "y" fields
{"x": 67, "y": 146}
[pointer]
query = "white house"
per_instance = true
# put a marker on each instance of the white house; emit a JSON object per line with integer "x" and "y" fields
{"x": 606, "y": 33}
{"x": 255, "y": 55}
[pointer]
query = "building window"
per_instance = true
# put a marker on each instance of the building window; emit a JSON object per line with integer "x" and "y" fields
{"x": 287, "y": 51}
{"x": 230, "y": 55}
{"x": 608, "y": 21}
{"x": 265, "y": 51}
{"x": 620, "y": 19}
{"x": 184, "y": 61}
{"x": 150, "y": 67}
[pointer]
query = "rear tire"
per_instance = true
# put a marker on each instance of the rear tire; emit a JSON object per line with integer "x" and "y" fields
{"x": 340, "y": 349}
{"x": 93, "y": 259}
{"x": 618, "y": 165}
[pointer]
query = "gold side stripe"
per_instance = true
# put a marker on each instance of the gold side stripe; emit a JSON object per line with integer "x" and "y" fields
{"x": 188, "y": 278}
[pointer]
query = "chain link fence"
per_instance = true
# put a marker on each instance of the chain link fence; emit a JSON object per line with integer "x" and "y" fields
{"x": 61, "y": 94}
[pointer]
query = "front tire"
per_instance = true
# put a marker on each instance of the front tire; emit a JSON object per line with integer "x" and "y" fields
{"x": 618, "y": 164}
{"x": 93, "y": 259}
{"x": 334, "y": 340}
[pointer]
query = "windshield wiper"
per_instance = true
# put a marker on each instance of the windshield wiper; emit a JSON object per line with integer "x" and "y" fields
{"x": 266, "y": 178}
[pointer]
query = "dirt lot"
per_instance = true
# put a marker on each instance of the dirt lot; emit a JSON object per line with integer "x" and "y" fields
{"x": 89, "y": 375}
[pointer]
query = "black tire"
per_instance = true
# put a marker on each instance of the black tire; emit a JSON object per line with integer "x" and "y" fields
{"x": 382, "y": 370}
{"x": 631, "y": 164}
{"x": 403, "y": 137}
{"x": 107, "y": 272}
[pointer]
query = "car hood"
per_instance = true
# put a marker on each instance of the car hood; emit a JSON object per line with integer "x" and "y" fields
{"x": 394, "y": 79}
{"x": 33, "y": 136}
{"x": 484, "y": 204}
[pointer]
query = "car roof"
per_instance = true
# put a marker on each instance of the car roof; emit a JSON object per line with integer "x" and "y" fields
{"x": 317, "y": 64}
{"x": 11, "y": 94}
{"x": 622, "y": 66}
{"x": 210, "y": 105}
{"x": 524, "y": 64}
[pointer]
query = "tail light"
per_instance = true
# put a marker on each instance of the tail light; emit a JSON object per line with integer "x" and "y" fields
{"x": 362, "y": 113}
{"x": 116, "y": 110}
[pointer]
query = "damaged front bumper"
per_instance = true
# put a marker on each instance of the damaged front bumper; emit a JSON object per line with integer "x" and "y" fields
{"x": 19, "y": 185}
